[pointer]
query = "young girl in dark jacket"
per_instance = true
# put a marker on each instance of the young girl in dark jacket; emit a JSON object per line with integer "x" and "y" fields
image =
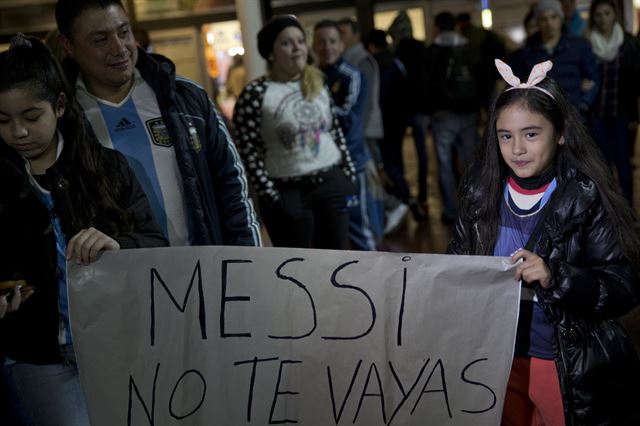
{"x": 63, "y": 198}
{"x": 540, "y": 192}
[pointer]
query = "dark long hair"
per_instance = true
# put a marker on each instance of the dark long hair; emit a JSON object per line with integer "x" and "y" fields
{"x": 30, "y": 66}
{"x": 579, "y": 152}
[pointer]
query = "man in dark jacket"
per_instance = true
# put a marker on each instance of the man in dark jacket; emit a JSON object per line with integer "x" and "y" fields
{"x": 574, "y": 64}
{"x": 459, "y": 88}
{"x": 349, "y": 93}
{"x": 166, "y": 126}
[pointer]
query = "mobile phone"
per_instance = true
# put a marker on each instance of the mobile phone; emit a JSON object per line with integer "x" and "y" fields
{"x": 6, "y": 287}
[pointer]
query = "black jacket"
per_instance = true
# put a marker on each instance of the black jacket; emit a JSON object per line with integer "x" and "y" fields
{"x": 395, "y": 93}
{"x": 414, "y": 55}
{"x": 629, "y": 77}
{"x": 215, "y": 187}
{"x": 592, "y": 283}
{"x": 28, "y": 246}
{"x": 573, "y": 62}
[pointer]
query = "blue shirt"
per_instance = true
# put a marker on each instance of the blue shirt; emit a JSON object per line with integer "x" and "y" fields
{"x": 535, "y": 334}
{"x": 64, "y": 329}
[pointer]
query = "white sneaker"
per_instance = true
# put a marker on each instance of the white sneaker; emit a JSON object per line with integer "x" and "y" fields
{"x": 395, "y": 217}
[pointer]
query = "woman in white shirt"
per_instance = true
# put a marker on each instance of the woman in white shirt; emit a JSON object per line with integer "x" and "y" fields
{"x": 292, "y": 145}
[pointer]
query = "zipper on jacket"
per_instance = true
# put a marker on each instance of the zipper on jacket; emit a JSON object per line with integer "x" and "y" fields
{"x": 475, "y": 228}
{"x": 193, "y": 134}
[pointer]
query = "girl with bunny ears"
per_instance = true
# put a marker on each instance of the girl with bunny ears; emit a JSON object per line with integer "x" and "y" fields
{"x": 540, "y": 192}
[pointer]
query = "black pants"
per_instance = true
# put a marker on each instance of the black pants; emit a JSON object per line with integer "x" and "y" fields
{"x": 312, "y": 211}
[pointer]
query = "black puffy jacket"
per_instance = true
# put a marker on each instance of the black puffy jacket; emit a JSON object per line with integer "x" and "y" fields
{"x": 28, "y": 246}
{"x": 592, "y": 283}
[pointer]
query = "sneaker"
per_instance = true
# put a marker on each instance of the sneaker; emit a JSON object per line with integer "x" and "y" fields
{"x": 395, "y": 218}
{"x": 419, "y": 214}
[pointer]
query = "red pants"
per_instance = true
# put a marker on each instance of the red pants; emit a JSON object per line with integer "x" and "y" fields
{"x": 533, "y": 394}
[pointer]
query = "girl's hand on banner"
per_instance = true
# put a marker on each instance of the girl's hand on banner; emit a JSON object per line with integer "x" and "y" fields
{"x": 87, "y": 243}
{"x": 533, "y": 268}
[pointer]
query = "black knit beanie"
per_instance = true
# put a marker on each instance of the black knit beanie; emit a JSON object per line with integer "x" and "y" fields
{"x": 268, "y": 34}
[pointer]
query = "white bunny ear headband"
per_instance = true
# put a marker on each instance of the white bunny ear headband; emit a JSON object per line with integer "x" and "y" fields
{"x": 538, "y": 73}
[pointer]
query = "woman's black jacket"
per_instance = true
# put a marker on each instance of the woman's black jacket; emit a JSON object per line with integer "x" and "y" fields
{"x": 629, "y": 77}
{"x": 28, "y": 248}
{"x": 592, "y": 283}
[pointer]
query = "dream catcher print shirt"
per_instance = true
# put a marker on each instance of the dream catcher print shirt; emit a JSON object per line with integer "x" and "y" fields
{"x": 296, "y": 132}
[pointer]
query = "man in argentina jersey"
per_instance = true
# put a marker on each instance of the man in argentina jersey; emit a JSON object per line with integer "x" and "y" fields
{"x": 135, "y": 128}
{"x": 166, "y": 126}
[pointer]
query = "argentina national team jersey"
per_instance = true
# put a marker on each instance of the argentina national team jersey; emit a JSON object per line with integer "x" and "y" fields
{"x": 135, "y": 128}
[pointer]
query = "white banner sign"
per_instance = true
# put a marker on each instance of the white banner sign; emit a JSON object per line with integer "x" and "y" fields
{"x": 257, "y": 336}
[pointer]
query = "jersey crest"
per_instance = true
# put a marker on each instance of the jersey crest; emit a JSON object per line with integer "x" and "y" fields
{"x": 158, "y": 132}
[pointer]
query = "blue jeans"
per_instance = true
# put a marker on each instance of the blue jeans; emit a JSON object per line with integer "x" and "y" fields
{"x": 361, "y": 232}
{"x": 9, "y": 407}
{"x": 375, "y": 190}
{"x": 49, "y": 395}
{"x": 452, "y": 131}
{"x": 615, "y": 141}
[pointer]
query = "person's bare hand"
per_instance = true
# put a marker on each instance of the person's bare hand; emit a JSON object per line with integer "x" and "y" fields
{"x": 11, "y": 305}
{"x": 87, "y": 243}
{"x": 532, "y": 269}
